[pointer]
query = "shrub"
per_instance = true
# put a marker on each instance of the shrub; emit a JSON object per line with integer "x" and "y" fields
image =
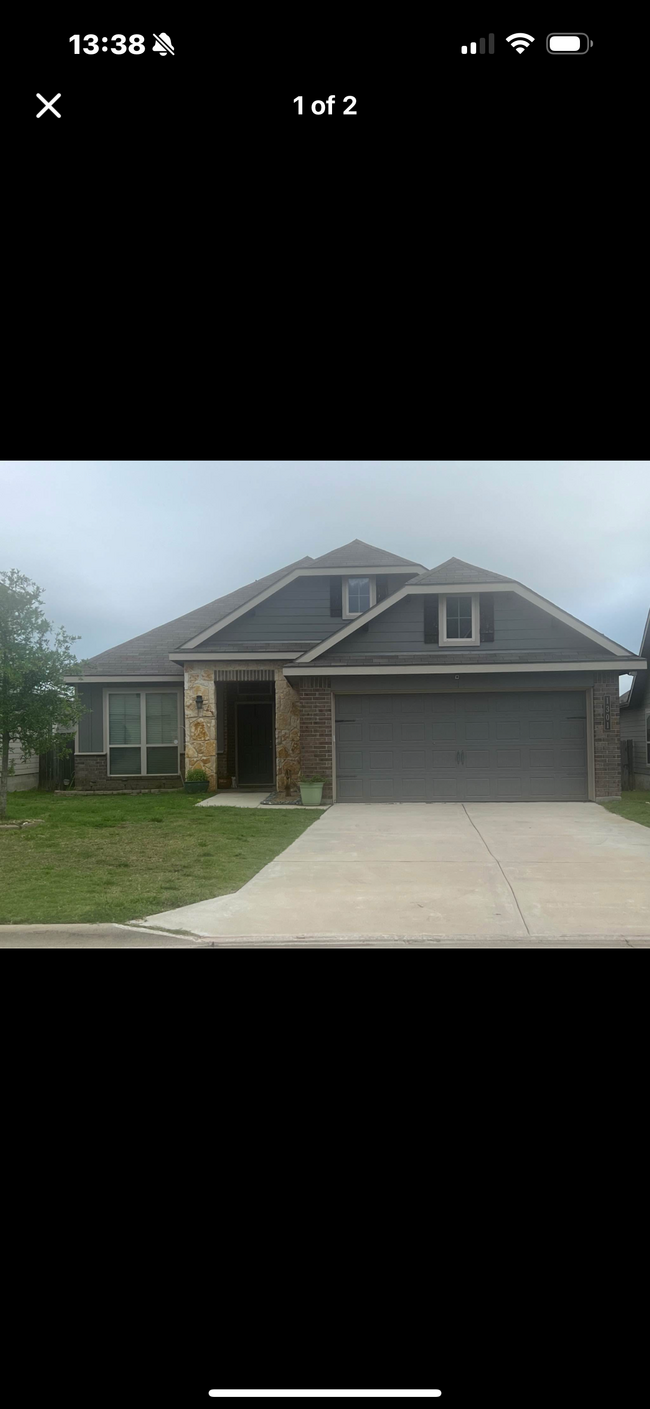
{"x": 197, "y": 775}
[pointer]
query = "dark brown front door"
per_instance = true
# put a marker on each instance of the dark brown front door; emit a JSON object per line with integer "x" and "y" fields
{"x": 255, "y": 743}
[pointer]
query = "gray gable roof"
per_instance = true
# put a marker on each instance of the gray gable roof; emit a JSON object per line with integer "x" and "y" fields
{"x": 455, "y": 570}
{"x": 361, "y": 555}
{"x": 148, "y": 654}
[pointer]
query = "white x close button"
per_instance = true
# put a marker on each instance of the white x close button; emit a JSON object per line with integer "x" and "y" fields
{"x": 48, "y": 105}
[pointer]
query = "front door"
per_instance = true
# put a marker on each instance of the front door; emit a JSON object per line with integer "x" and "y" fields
{"x": 255, "y": 743}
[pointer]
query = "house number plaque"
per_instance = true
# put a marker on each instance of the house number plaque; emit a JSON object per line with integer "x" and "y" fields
{"x": 606, "y": 712}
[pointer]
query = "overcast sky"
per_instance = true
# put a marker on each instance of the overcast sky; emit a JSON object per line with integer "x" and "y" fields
{"x": 122, "y": 546}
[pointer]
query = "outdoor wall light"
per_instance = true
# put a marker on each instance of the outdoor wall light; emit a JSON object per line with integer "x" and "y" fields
{"x": 199, "y": 702}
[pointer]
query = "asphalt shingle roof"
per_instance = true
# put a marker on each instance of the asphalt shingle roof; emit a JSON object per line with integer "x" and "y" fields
{"x": 361, "y": 555}
{"x": 455, "y": 570}
{"x": 148, "y": 654}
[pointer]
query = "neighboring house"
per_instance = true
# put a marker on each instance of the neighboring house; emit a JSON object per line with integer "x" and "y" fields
{"x": 395, "y": 683}
{"x": 25, "y": 774}
{"x": 635, "y": 716}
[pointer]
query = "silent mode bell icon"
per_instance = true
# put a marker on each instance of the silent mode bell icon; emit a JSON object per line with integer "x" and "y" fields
{"x": 163, "y": 44}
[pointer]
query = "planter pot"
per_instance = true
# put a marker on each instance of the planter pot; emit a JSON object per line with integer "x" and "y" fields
{"x": 224, "y": 783}
{"x": 196, "y": 787}
{"x": 311, "y": 794}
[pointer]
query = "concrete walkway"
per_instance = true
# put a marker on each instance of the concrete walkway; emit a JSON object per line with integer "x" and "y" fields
{"x": 233, "y": 798}
{"x": 486, "y": 873}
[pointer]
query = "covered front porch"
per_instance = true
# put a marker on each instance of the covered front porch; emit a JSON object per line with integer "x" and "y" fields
{"x": 242, "y": 725}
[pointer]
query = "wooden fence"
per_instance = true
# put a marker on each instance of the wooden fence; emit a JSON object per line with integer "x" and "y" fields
{"x": 56, "y": 770}
{"x": 627, "y": 765}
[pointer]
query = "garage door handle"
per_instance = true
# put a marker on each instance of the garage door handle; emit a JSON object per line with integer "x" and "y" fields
{"x": 462, "y": 757}
{"x": 458, "y": 756}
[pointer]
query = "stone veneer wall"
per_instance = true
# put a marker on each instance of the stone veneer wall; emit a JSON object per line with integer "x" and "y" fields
{"x": 201, "y": 725}
{"x": 287, "y": 735}
{"x": 316, "y": 729}
{"x": 607, "y": 745}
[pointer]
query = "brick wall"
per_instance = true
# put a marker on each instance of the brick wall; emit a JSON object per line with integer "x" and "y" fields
{"x": 316, "y": 731}
{"x": 90, "y": 775}
{"x": 607, "y": 745}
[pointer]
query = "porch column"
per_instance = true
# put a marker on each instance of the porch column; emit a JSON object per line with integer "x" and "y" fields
{"x": 287, "y": 735}
{"x": 201, "y": 723}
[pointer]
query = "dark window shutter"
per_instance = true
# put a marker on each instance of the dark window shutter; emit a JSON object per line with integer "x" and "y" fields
{"x": 383, "y": 589}
{"x": 431, "y": 620}
{"x": 487, "y": 616}
{"x": 336, "y": 596}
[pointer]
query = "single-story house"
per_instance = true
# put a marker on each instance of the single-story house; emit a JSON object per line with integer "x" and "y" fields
{"x": 635, "y": 715}
{"x": 394, "y": 682}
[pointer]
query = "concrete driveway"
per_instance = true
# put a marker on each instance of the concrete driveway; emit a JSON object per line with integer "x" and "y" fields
{"x": 487, "y": 872}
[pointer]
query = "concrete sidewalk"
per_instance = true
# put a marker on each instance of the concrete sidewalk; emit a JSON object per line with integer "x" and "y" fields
{"x": 444, "y": 873}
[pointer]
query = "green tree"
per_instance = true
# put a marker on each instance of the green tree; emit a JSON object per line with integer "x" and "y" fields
{"x": 34, "y": 661}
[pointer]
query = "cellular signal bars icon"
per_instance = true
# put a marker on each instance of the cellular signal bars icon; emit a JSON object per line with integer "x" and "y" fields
{"x": 481, "y": 46}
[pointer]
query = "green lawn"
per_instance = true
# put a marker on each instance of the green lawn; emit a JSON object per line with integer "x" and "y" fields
{"x": 121, "y": 858}
{"x": 635, "y": 806}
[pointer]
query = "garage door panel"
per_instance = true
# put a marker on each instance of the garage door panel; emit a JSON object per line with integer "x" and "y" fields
{"x": 413, "y": 760}
{"x": 350, "y": 760}
{"x": 517, "y": 745}
{"x": 508, "y": 730}
{"x": 349, "y": 731}
{"x": 445, "y": 788}
{"x": 444, "y": 758}
{"x": 477, "y": 788}
{"x": 412, "y": 733}
{"x": 478, "y": 759}
{"x": 572, "y": 728}
{"x": 414, "y": 787}
{"x": 382, "y": 790}
{"x": 508, "y": 758}
{"x": 443, "y": 730}
{"x": 541, "y": 728}
{"x": 382, "y": 759}
{"x": 509, "y": 787}
{"x": 349, "y": 789}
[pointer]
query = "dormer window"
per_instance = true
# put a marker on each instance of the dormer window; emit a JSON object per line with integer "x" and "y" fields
{"x": 359, "y": 595}
{"x": 459, "y": 620}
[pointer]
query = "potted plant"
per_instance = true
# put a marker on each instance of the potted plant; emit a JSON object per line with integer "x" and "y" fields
{"x": 311, "y": 791}
{"x": 196, "y": 781}
{"x": 225, "y": 781}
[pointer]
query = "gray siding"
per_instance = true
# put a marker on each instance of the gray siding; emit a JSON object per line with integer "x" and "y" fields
{"x": 398, "y": 629}
{"x": 633, "y": 726}
{"x": 25, "y": 774}
{"x": 298, "y": 612}
{"x": 91, "y": 724}
{"x": 518, "y": 626}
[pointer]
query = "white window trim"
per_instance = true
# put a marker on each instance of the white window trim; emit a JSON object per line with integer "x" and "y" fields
{"x": 474, "y": 639}
{"x": 143, "y": 692}
{"x": 373, "y": 595}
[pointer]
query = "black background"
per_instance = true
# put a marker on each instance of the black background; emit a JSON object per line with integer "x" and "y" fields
{"x": 460, "y": 252}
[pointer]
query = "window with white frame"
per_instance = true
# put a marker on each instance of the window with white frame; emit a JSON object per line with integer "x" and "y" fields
{"x": 142, "y": 732}
{"x": 359, "y": 595}
{"x": 459, "y": 620}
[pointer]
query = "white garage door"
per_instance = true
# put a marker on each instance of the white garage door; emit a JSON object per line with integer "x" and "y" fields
{"x": 461, "y": 747}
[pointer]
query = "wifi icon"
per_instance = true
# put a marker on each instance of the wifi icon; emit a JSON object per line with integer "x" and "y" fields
{"x": 520, "y": 41}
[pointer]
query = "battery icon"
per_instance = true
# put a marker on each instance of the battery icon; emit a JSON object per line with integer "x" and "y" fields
{"x": 568, "y": 43}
